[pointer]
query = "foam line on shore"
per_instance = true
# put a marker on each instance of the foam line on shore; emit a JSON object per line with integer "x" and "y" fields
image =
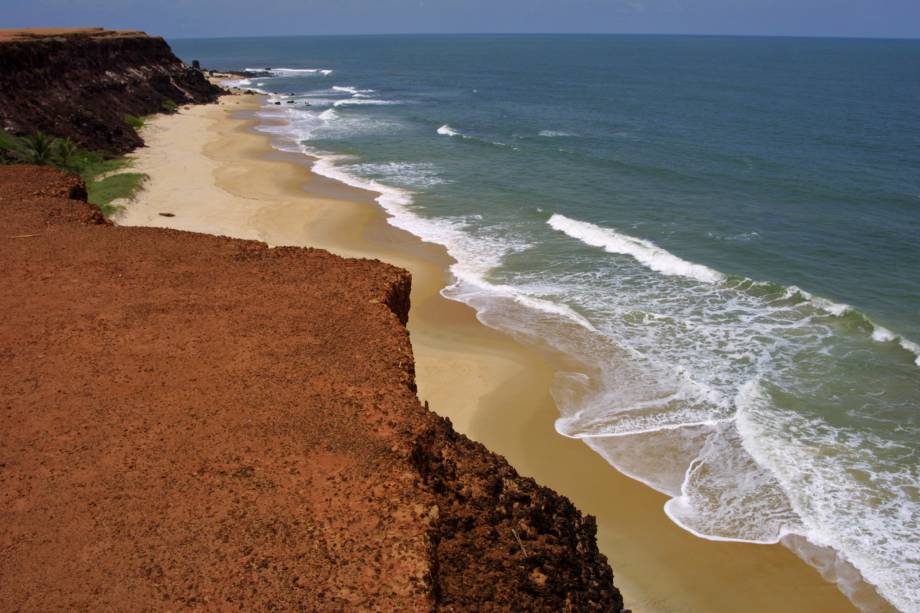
{"x": 660, "y": 260}
{"x": 474, "y": 259}
{"x": 483, "y": 297}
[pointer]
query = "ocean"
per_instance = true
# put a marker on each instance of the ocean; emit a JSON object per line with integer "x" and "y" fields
{"x": 722, "y": 232}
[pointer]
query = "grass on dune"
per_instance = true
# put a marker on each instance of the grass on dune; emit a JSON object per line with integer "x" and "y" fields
{"x": 113, "y": 187}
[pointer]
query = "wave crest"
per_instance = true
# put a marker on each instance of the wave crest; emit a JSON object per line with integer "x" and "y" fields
{"x": 446, "y": 130}
{"x": 644, "y": 251}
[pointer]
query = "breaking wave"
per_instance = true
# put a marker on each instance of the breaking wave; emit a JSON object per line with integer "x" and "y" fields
{"x": 646, "y": 252}
{"x": 712, "y": 372}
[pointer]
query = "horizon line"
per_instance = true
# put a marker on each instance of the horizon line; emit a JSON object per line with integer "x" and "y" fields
{"x": 689, "y": 34}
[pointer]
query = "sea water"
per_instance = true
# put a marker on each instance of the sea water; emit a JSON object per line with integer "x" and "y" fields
{"x": 724, "y": 232}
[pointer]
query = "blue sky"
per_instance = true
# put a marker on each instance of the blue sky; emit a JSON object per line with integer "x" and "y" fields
{"x": 190, "y": 18}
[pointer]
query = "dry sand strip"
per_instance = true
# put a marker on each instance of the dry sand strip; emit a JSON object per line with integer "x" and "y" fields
{"x": 216, "y": 174}
{"x": 191, "y": 421}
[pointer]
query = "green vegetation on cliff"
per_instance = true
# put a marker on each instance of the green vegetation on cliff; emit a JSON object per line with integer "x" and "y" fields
{"x": 104, "y": 183}
{"x": 134, "y": 121}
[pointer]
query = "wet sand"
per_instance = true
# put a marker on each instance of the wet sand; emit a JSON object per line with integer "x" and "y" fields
{"x": 215, "y": 174}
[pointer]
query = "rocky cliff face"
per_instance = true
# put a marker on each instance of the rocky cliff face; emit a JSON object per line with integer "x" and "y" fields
{"x": 81, "y": 83}
{"x": 191, "y": 421}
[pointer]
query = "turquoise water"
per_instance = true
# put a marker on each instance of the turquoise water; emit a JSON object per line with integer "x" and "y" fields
{"x": 724, "y": 232}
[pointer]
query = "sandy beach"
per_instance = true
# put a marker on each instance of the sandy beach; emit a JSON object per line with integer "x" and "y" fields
{"x": 213, "y": 173}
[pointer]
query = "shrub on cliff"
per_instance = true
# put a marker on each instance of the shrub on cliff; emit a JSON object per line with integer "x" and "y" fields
{"x": 39, "y": 149}
{"x": 9, "y": 145}
{"x": 104, "y": 184}
{"x": 134, "y": 121}
{"x": 66, "y": 151}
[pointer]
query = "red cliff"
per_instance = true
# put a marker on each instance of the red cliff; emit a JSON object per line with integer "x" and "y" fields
{"x": 200, "y": 422}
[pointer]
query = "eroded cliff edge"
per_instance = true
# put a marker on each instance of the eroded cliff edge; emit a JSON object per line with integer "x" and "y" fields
{"x": 80, "y": 83}
{"x": 205, "y": 422}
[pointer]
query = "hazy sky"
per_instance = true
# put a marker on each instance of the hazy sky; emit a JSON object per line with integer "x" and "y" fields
{"x": 189, "y": 18}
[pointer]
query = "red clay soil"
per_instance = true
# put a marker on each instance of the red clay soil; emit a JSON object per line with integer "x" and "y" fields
{"x": 200, "y": 422}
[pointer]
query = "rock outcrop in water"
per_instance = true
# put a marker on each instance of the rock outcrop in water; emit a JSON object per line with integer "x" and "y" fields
{"x": 201, "y": 422}
{"x": 81, "y": 83}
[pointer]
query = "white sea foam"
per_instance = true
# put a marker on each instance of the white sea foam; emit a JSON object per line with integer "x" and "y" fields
{"x": 724, "y": 488}
{"x": 912, "y": 347}
{"x": 410, "y": 175}
{"x": 644, "y": 251}
{"x": 716, "y": 335}
{"x": 290, "y": 72}
{"x": 317, "y": 101}
{"x": 474, "y": 257}
{"x": 727, "y": 482}
{"x": 358, "y": 96}
{"x": 350, "y": 89}
{"x": 881, "y": 334}
{"x": 555, "y": 133}
{"x": 741, "y": 237}
{"x": 666, "y": 365}
{"x": 882, "y": 542}
{"x": 320, "y": 120}
{"x": 834, "y": 308}
{"x": 364, "y": 102}
{"x": 835, "y": 568}
{"x": 446, "y": 130}
{"x": 328, "y": 115}
{"x": 281, "y": 70}
{"x": 245, "y": 84}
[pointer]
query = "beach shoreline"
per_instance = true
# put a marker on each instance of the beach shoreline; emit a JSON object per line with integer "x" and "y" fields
{"x": 215, "y": 174}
